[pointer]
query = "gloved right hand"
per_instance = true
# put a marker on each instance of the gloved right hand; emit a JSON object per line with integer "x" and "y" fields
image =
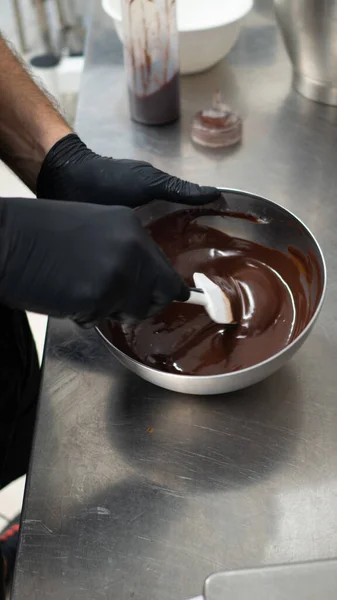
{"x": 82, "y": 261}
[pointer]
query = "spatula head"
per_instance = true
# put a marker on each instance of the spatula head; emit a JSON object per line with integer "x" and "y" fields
{"x": 218, "y": 304}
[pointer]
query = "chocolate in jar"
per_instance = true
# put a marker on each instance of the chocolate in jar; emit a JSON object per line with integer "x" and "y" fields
{"x": 159, "y": 107}
{"x": 182, "y": 339}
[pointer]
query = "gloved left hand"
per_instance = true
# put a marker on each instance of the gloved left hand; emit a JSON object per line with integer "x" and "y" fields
{"x": 71, "y": 171}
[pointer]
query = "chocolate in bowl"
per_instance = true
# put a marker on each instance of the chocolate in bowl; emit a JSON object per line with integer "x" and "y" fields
{"x": 280, "y": 270}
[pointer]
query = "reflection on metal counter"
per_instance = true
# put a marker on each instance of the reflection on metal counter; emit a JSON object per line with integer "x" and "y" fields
{"x": 140, "y": 493}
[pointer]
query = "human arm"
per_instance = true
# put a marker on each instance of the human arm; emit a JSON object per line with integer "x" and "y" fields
{"x": 40, "y": 147}
{"x": 30, "y": 123}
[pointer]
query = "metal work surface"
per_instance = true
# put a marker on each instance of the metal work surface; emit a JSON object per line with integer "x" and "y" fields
{"x": 306, "y": 581}
{"x": 135, "y": 492}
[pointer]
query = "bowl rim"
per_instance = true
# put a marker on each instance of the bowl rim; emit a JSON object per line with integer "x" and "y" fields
{"x": 243, "y": 10}
{"x": 267, "y": 361}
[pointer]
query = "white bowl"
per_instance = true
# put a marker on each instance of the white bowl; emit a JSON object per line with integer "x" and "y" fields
{"x": 207, "y": 29}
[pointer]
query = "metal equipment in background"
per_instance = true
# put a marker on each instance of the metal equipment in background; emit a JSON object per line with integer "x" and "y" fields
{"x": 61, "y": 25}
{"x": 62, "y": 31}
{"x": 309, "y": 29}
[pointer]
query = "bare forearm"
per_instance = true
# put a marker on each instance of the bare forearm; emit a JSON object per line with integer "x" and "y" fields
{"x": 29, "y": 123}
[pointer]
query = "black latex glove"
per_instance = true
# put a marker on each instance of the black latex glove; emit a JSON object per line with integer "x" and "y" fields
{"x": 81, "y": 261}
{"x": 71, "y": 171}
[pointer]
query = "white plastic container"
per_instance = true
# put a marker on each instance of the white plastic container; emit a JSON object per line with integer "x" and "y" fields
{"x": 207, "y": 29}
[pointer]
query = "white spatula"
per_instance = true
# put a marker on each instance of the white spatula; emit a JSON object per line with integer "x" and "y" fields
{"x": 216, "y": 302}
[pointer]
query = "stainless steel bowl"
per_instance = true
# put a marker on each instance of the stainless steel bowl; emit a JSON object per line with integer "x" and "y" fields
{"x": 278, "y": 228}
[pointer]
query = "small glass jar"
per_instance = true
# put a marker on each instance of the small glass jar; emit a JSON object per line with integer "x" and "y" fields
{"x": 151, "y": 57}
{"x": 216, "y": 127}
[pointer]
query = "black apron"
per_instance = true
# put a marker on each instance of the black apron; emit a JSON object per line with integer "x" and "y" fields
{"x": 19, "y": 388}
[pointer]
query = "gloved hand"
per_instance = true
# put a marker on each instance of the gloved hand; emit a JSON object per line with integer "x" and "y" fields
{"x": 71, "y": 171}
{"x": 81, "y": 261}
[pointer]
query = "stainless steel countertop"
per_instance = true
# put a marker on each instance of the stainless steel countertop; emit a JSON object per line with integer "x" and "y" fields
{"x": 113, "y": 511}
{"x": 305, "y": 581}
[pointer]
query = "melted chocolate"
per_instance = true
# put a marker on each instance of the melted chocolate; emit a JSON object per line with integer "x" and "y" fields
{"x": 274, "y": 309}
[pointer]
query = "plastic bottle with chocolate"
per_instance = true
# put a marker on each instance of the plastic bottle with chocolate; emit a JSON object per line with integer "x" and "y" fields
{"x": 151, "y": 58}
